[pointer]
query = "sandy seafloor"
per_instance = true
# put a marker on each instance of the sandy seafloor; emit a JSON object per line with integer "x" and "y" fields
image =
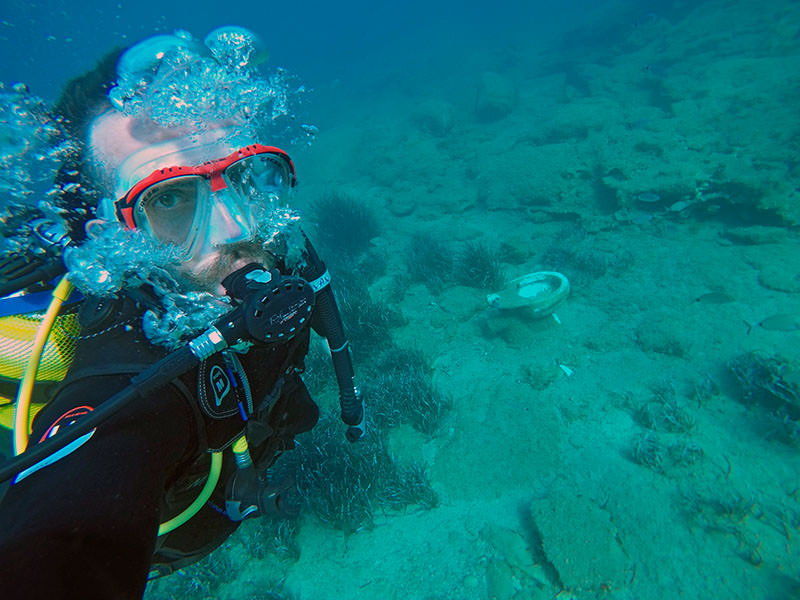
{"x": 540, "y": 493}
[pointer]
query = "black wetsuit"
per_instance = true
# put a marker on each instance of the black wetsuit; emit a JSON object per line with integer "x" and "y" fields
{"x": 86, "y": 526}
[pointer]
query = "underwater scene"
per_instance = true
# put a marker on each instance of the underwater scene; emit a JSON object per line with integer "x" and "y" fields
{"x": 564, "y": 239}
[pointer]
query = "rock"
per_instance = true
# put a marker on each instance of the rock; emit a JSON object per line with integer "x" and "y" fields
{"x": 779, "y": 278}
{"x": 513, "y": 568}
{"x": 515, "y": 328}
{"x": 658, "y": 335}
{"x": 581, "y": 543}
{"x": 435, "y": 117}
{"x": 756, "y": 235}
{"x": 496, "y": 97}
{"x": 402, "y": 205}
{"x": 500, "y": 581}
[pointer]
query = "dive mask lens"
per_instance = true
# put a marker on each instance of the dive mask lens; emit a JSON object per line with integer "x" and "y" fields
{"x": 170, "y": 209}
{"x": 260, "y": 179}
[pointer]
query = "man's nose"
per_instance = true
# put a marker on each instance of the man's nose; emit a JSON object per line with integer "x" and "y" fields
{"x": 227, "y": 223}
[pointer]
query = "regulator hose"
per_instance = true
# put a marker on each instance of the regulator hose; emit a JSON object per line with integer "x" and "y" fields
{"x": 327, "y": 322}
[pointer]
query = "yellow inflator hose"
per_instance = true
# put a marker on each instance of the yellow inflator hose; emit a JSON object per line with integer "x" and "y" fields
{"x": 205, "y": 494}
{"x": 23, "y": 402}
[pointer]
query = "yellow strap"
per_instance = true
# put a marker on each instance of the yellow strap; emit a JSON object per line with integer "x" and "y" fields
{"x": 22, "y": 409}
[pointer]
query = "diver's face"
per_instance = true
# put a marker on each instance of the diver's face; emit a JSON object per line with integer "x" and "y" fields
{"x": 212, "y": 235}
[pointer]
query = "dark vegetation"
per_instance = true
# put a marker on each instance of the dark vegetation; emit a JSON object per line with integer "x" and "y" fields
{"x": 665, "y": 443}
{"x": 772, "y": 383}
{"x": 575, "y": 257}
{"x": 476, "y": 265}
{"x": 429, "y": 262}
{"x": 367, "y": 322}
{"x": 399, "y": 390}
{"x": 343, "y": 484}
{"x": 343, "y": 224}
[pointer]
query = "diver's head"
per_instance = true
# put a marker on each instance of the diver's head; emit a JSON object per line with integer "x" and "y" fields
{"x": 203, "y": 192}
{"x": 186, "y": 171}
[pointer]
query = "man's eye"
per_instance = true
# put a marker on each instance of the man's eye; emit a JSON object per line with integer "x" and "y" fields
{"x": 170, "y": 200}
{"x": 165, "y": 200}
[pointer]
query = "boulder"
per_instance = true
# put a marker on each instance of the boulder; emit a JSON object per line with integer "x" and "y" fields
{"x": 579, "y": 540}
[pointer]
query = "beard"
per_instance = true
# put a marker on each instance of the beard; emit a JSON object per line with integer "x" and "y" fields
{"x": 205, "y": 273}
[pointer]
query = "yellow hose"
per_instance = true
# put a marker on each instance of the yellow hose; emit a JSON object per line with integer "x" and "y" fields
{"x": 23, "y": 402}
{"x": 205, "y": 494}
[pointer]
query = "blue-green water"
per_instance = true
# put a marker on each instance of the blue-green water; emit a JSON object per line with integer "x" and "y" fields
{"x": 645, "y": 443}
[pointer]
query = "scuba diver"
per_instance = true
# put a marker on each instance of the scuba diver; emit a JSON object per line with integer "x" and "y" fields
{"x": 198, "y": 293}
